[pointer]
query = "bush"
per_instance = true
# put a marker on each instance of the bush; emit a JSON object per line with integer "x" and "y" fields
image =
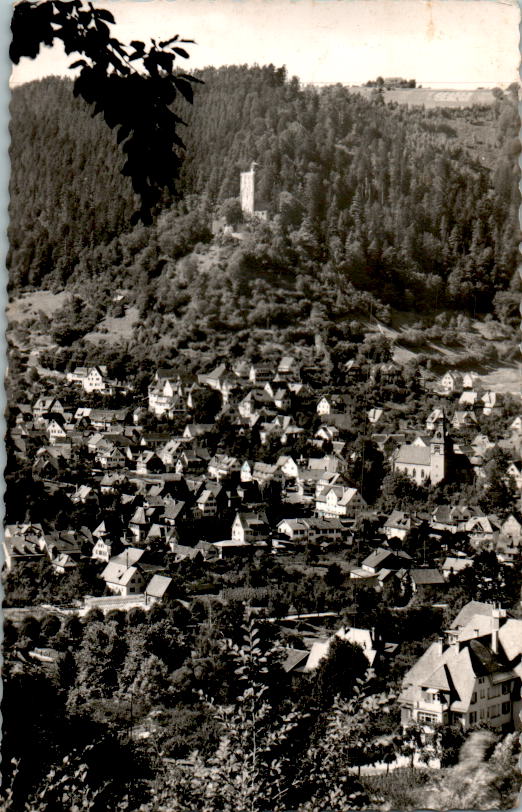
{"x": 401, "y": 789}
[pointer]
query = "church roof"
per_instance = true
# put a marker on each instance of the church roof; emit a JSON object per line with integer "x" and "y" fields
{"x": 413, "y": 455}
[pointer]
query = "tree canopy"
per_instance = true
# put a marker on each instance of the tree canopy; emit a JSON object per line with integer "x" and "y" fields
{"x": 133, "y": 87}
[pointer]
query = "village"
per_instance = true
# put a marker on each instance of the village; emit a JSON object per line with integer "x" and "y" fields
{"x": 163, "y": 516}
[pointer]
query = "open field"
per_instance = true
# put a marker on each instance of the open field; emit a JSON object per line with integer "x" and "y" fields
{"x": 28, "y": 305}
{"x": 504, "y": 379}
{"x": 112, "y": 329}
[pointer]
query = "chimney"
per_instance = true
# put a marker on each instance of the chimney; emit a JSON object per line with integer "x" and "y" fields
{"x": 498, "y": 614}
{"x": 452, "y": 638}
{"x": 439, "y": 646}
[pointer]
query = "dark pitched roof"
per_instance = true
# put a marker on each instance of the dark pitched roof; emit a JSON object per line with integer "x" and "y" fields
{"x": 427, "y": 576}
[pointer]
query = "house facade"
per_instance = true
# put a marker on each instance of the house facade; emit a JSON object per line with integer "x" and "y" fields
{"x": 338, "y": 500}
{"x": 472, "y": 675}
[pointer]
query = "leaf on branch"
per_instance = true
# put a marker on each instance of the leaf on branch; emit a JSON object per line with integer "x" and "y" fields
{"x": 103, "y": 14}
{"x": 170, "y": 41}
{"x": 190, "y": 78}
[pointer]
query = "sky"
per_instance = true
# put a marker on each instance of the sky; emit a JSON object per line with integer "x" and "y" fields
{"x": 442, "y": 43}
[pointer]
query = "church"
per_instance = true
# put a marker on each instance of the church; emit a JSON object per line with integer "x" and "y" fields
{"x": 424, "y": 460}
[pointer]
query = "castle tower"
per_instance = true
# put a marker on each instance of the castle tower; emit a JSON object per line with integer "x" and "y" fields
{"x": 438, "y": 453}
{"x": 248, "y": 190}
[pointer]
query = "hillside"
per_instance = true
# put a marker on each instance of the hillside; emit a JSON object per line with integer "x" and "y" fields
{"x": 373, "y": 209}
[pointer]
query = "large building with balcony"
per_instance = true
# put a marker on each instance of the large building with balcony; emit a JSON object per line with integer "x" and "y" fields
{"x": 471, "y": 676}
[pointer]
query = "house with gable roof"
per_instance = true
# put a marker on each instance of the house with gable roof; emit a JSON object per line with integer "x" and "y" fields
{"x": 46, "y": 405}
{"x": 93, "y": 379}
{"x": 123, "y": 580}
{"x": 451, "y": 382}
{"x": 472, "y": 675}
{"x": 107, "y": 539}
{"x": 261, "y": 372}
{"x": 221, "y": 380}
{"x": 365, "y": 638}
{"x": 463, "y": 418}
{"x": 165, "y": 395}
{"x": 490, "y": 401}
{"x": 333, "y": 404}
{"x": 468, "y": 399}
{"x": 210, "y": 500}
{"x": 288, "y": 369}
{"x": 338, "y": 500}
{"x": 56, "y": 429}
{"x": 433, "y": 419}
{"x": 22, "y": 543}
{"x": 248, "y": 528}
{"x": 158, "y": 588}
{"x": 514, "y": 470}
{"x": 427, "y": 582}
{"x": 222, "y": 466}
{"x": 399, "y": 523}
{"x": 453, "y": 565}
{"x": 512, "y": 529}
{"x": 454, "y": 518}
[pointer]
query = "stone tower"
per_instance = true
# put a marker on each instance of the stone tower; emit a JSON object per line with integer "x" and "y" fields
{"x": 248, "y": 190}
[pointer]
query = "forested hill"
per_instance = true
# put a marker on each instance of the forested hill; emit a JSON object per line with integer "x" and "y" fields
{"x": 409, "y": 205}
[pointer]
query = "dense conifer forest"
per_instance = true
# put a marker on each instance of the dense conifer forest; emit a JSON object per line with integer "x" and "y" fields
{"x": 371, "y": 206}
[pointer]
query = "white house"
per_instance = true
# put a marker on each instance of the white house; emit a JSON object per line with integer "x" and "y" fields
{"x": 339, "y": 500}
{"x": 433, "y": 419}
{"x": 122, "y": 574}
{"x": 451, "y": 382}
{"x": 489, "y": 399}
{"x": 92, "y": 379}
{"x": 471, "y": 676}
{"x": 248, "y": 528}
{"x": 516, "y": 425}
{"x": 296, "y": 530}
{"x": 374, "y": 415}
{"x": 164, "y": 396}
{"x": 514, "y": 470}
{"x": 123, "y": 580}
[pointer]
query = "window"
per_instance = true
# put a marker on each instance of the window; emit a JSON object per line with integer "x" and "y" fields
{"x": 494, "y": 691}
{"x": 426, "y": 718}
{"x": 506, "y": 687}
{"x": 506, "y": 707}
{"x": 472, "y": 718}
{"x": 482, "y": 713}
{"x": 473, "y": 698}
{"x": 482, "y": 693}
{"x": 494, "y": 711}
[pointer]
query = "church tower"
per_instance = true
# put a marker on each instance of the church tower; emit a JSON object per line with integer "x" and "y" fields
{"x": 438, "y": 453}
